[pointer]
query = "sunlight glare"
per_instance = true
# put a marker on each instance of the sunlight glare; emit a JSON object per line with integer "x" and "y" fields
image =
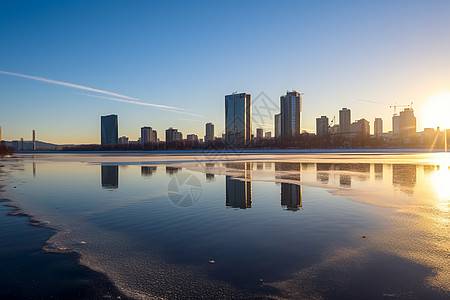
{"x": 437, "y": 112}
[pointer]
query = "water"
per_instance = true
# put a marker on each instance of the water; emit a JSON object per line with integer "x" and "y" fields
{"x": 289, "y": 226}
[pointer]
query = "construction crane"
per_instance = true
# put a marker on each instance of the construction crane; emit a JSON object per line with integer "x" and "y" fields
{"x": 332, "y": 122}
{"x": 395, "y": 106}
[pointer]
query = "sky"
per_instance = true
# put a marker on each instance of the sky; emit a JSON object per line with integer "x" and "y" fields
{"x": 63, "y": 64}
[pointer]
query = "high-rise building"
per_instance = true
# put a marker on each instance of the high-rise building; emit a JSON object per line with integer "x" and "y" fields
{"x": 360, "y": 127}
{"x": 0, "y": 133}
{"x": 396, "y": 125}
{"x": 173, "y": 134}
{"x": 278, "y": 125}
{"x": 123, "y": 140}
{"x": 155, "y": 136}
{"x": 238, "y": 119}
{"x": 21, "y": 144}
{"x": 407, "y": 124}
{"x": 378, "y": 129}
{"x": 291, "y": 114}
{"x": 146, "y": 135}
{"x": 344, "y": 120}
{"x": 34, "y": 140}
{"x": 209, "y": 136}
{"x": 259, "y": 133}
{"x": 109, "y": 130}
{"x": 322, "y": 126}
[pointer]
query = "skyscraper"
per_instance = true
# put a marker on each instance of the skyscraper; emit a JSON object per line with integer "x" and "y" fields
{"x": 291, "y": 114}
{"x": 173, "y": 134}
{"x": 146, "y": 135}
{"x": 155, "y": 136}
{"x": 322, "y": 126}
{"x": 378, "y": 130}
{"x": 209, "y": 136}
{"x": 109, "y": 130}
{"x": 34, "y": 140}
{"x": 344, "y": 120}
{"x": 238, "y": 119}
{"x": 278, "y": 125}
{"x": 407, "y": 124}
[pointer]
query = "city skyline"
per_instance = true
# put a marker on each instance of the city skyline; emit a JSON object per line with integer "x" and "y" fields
{"x": 334, "y": 63}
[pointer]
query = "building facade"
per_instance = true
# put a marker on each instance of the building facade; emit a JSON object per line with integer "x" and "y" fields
{"x": 238, "y": 120}
{"x": 109, "y": 130}
{"x": 322, "y": 126}
{"x": 209, "y": 132}
{"x": 407, "y": 124}
{"x": 360, "y": 128}
{"x": 259, "y": 133}
{"x": 278, "y": 125}
{"x": 345, "y": 118}
{"x": 146, "y": 135}
{"x": 291, "y": 114}
{"x": 173, "y": 134}
{"x": 378, "y": 127}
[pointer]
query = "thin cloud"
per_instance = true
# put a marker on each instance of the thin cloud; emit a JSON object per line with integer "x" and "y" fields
{"x": 157, "y": 106}
{"x": 86, "y": 88}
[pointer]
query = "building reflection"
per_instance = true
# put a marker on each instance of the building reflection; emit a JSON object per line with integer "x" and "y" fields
{"x": 172, "y": 170}
{"x": 210, "y": 177}
{"x": 238, "y": 193}
{"x": 291, "y": 196}
{"x": 404, "y": 177}
{"x": 148, "y": 170}
{"x": 378, "y": 168}
{"x": 288, "y": 170}
{"x": 345, "y": 180}
{"x": 110, "y": 177}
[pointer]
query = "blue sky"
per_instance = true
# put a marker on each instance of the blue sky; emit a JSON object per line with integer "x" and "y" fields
{"x": 189, "y": 54}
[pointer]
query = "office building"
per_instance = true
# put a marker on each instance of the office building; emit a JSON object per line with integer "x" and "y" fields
{"x": 155, "y": 136}
{"x": 173, "y": 134}
{"x": 109, "y": 130}
{"x": 146, "y": 135}
{"x": 407, "y": 124}
{"x": 238, "y": 120}
{"x": 209, "y": 135}
{"x": 378, "y": 129}
{"x": 259, "y": 133}
{"x": 344, "y": 120}
{"x": 291, "y": 110}
{"x": 278, "y": 125}
{"x": 322, "y": 126}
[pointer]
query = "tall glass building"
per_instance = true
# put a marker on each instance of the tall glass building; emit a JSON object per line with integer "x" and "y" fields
{"x": 110, "y": 130}
{"x": 238, "y": 120}
{"x": 291, "y": 114}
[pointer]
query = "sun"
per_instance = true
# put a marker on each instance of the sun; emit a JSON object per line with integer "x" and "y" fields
{"x": 437, "y": 112}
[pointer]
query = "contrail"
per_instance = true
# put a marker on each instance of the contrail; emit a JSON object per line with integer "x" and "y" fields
{"x": 157, "y": 106}
{"x": 86, "y": 88}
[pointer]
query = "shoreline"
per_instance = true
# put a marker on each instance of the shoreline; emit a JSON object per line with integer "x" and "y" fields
{"x": 99, "y": 285}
